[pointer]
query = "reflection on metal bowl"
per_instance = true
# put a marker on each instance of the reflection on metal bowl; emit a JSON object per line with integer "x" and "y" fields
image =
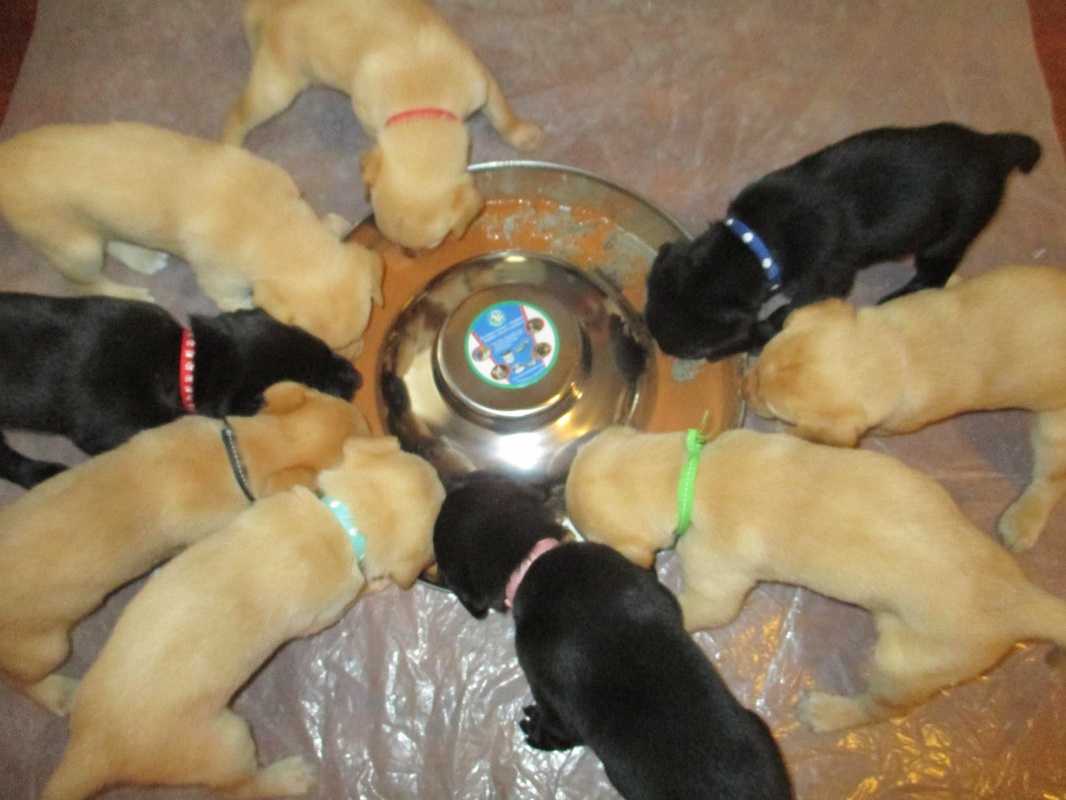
{"x": 508, "y": 347}
{"x": 509, "y": 361}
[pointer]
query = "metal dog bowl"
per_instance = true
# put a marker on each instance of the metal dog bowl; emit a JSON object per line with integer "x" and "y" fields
{"x": 509, "y": 347}
{"x": 513, "y": 375}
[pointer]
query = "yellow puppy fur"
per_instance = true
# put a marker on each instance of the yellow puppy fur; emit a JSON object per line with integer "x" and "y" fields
{"x": 390, "y": 57}
{"x": 74, "y": 192}
{"x": 987, "y": 342}
{"x": 71, "y": 540}
{"x": 854, "y": 525}
{"x": 153, "y": 708}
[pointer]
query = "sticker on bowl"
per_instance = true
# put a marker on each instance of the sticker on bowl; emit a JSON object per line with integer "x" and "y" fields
{"x": 512, "y": 344}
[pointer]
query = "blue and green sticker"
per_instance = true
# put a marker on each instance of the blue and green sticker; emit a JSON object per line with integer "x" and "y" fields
{"x": 512, "y": 344}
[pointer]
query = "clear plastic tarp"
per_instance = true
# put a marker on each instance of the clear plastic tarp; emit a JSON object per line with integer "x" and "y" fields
{"x": 683, "y": 101}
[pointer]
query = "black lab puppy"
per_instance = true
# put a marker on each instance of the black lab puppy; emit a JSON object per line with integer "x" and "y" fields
{"x": 799, "y": 234}
{"x": 601, "y": 642}
{"x": 98, "y": 370}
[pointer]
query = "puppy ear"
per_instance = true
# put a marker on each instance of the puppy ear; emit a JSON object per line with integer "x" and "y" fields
{"x": 284, "y": 397}
{"x": 370, "y": 165}
{"x": 467, "y": 203}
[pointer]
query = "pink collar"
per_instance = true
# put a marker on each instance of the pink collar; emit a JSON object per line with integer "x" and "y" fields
{"x": 539, "y": 549}
{"x": 421, "y": 113}
{"x": 186, "y": 367}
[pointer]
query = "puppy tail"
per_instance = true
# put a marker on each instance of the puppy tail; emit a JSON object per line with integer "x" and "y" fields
{"x": 1017, "y": 151}
{"x": 81, "y": 774}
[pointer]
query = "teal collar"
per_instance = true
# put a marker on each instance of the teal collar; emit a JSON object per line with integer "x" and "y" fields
{"x": 686, "y": 487}
{"x": 347, "y": 520}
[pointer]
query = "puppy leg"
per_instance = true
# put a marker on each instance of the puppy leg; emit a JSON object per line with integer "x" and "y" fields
{"x": 139, "y": 259}
{"x": 270, "y": 90}
{"x": 30, "y": 661}
{"x": 517, "y": 132}
{"x": 223, "y": 757}
{"x": 79, "y": 255}
{"x": 907, "y": 670}
{"x": 56, "y": 693}
{"x": 23, "y": 471}
{"x": 544, "y": 730}
{"x": 935, "y": 263}
{"x": 1021, "y": 524}
{"x": 712, "y": 600}
{"x": 286, "y": 777}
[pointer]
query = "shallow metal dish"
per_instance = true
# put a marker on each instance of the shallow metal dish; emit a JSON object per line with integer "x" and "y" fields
{"x": 508, "y": 361}
{"x": 573, "y": 248}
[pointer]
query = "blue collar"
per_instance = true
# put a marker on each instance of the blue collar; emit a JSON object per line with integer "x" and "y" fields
{"x": 759, "y": 248}
{"x": 347, "y": 520}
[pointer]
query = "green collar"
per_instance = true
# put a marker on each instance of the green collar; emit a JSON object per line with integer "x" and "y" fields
{"x": 686, "y": 487}
{"x": 347, "y": 520}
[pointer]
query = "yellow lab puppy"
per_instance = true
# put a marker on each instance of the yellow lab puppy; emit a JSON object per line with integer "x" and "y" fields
{"x": 412, "y": 82}
{"x": 854, "y": 525}
{"x": 981, "y": 343}
{"x": 71, "y": 540}
{"x": 153, "y": 708}
{"x": 74, "y": 192}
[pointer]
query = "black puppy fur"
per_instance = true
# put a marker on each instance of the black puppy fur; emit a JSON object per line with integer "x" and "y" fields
{"x": 602, "y": 645}
{"x": 98, "y": 370}
{"x": 876, "y": 196}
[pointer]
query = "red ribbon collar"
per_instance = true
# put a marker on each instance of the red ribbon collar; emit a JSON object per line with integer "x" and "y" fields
{"x": 539, "y": 549}
{"x": 421, "y": 113}
{"x": 186, "y": 368}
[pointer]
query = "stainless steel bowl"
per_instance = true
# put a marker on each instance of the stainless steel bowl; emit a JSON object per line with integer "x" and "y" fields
{"x": 508, "y": 361}
{"x": 525, "y": 401}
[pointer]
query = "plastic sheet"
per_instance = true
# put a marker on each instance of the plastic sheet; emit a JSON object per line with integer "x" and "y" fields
{"x": 684, "y": 101}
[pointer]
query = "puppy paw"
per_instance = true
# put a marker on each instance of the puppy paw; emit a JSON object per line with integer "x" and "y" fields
{"x": 830, "y": 712}
{"x": 338, "y": 225}
{"x": 1017, "y": 529}
{"x": 56, "y": 693}
{"x": 139, "y": 259}
{"x": 539, "y": 733}
{"x": 287, "y": 777}
{"x": 526, "y": 136}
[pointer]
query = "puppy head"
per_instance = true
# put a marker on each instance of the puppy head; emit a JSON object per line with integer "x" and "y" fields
{"x": 394, "y": 497}
{"x": 298, "y": 433}
{"x": 416, "y": 179}
{"x": 333, "y": 301}
{"x": 241, "y": 353}
{"x": 601, "y": 505}
{"x": 488, "y": 523}
{"x": 831, "y": 372}
{"x": 703, "y": 297}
